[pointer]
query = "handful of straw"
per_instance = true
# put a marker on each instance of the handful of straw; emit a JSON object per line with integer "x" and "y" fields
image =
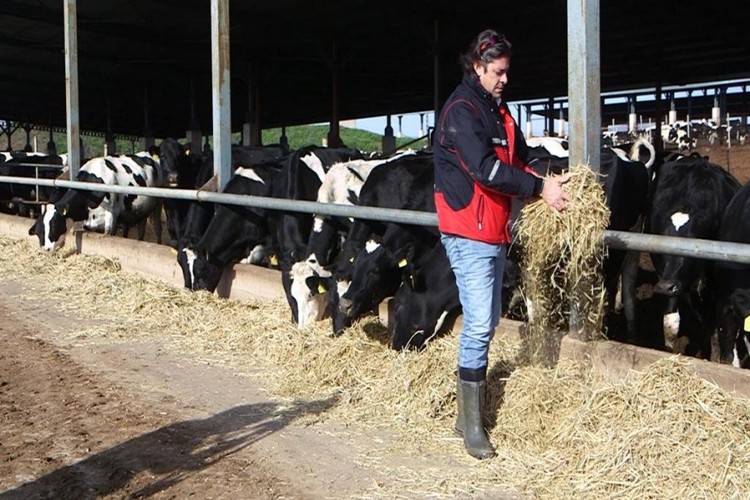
{"x": 562, "y": 256}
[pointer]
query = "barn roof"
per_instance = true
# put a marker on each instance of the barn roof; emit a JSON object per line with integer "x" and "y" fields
{"x": 386, "y": 51}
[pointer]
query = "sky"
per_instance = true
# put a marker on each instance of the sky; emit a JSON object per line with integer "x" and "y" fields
{"x": 410, "y": 122}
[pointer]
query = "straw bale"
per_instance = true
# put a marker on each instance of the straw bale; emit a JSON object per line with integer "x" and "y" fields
{"x": 561, "y": 432}
{"x": 562, "y": 255}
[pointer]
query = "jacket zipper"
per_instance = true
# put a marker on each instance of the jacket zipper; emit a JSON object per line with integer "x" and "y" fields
{"x": 480, "y": 211}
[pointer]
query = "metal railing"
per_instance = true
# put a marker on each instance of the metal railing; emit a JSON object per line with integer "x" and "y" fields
{"x": 688, "y": 247}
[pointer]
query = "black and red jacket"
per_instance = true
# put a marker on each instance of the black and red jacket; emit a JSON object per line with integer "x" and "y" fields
{"x": 480, "y": 164}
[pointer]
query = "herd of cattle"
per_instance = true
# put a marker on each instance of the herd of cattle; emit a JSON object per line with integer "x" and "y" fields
{"x": 343, "y": 268}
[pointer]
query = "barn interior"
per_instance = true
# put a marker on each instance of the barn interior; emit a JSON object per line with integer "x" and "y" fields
{"x": 146, "y": 66}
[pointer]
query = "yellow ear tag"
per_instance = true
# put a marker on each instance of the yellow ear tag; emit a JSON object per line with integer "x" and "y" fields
{"x": 747, "y": 324}
{"x": 402, "y": 263}
{"x": 173, "y": 250}
{"x": 321, "y": 288}
{"x": 274, "y": 260}
{"x": 155, "y": 157}
{"x": 351, "y": 259}
{"x": 64, "y": 212}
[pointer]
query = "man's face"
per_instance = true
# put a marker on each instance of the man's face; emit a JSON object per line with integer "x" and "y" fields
{"x": 493, "y": 75}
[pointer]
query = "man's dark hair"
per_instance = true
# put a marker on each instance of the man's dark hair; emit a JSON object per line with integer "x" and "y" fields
{"x": 487, "y": 46}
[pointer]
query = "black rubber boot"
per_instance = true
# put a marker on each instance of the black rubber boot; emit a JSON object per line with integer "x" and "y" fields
{"x": 470, "y": 423}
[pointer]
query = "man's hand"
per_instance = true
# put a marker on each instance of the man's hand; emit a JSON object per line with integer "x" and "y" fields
{"x": 552, "y": 191}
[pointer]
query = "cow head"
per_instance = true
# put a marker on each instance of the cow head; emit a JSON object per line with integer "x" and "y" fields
{"x": 206, "y": 274}
{"x": 310, "y": 284}
{"x": 677, "y": 274}
{"x": 376, "y": 274}
{"x": 733, "y": 327}
{"x": 50, "y": 227}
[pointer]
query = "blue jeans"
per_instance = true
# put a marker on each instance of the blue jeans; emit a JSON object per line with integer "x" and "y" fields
{"x": 478, "y": 268}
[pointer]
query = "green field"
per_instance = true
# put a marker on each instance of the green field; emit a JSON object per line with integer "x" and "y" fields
{"x": 297, "y": 137}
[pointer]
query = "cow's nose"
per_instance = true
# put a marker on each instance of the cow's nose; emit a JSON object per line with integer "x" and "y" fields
{"x": 172, "y": 179}
{"x": 668, "y": 287}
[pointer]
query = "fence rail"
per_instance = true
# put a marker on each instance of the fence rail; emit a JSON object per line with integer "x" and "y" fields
{"x": 687, "y": 247}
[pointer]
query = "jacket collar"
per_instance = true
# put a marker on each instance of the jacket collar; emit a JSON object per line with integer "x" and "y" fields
{"x": 475, "y": 88}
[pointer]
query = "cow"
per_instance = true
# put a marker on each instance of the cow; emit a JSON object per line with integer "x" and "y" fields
{"x": 310, "y": 279}
{"x": 200, "y": 214}
{"x": 689, "y": 197}
{"x": 139, "y": 169}
{"x": 366, "y": 270}
{"x": 234, "y": 230}
{"x": 678, "y": 133}
{"x": 300, "y": 179}
{"x": 732, "y": 285}
{"x": 181, "y": 169}
{"x": 16, "y": 198}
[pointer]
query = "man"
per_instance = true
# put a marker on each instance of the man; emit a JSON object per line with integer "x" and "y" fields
{"x": 480, "y": 165}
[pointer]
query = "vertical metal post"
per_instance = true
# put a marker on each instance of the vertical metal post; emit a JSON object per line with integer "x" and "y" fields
{"x": 71, "y": 87}
{"x": 584, "y": 83}
{"x": 436, "y": 98}
{"x": 334, "y": 135}
{"x": 221, "y": 101}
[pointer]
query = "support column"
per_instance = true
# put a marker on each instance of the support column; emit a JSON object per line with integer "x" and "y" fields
{"x": 632, "y": 116}
{"x": 193, "y": 134}
{"x": 334, "y": 137}
{"x": 672, "y": 109}
{"x": 437, "y": 99}
{"x": 148, "y": 132}
{"x": 70, "y": 24}
{"x": 251, "y": 131}
{"x": 529, "y": 129}
{"x": 110, "y": 148}
{"x": 658, "y": 143}
{"x": 51, "y": 146}
{"x": 389, "y": 141}
{"x": 27, "y": 127}
{"x": 584, "y": 87}
{"x": 222, "y": 110}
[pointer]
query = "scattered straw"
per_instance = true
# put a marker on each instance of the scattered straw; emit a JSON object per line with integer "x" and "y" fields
{"x": 562, "y": 254}
{"x": 561, "y": 432}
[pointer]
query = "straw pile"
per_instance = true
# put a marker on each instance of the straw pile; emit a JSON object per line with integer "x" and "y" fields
{"x": 560, "y": 433}
{"x": 562, "y": 255}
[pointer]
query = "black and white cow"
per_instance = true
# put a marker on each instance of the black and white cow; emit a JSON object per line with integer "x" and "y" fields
{"x": 678, "y": 133}
{"x": 300, "y": 179}
{"x": 200, "y": 214}
{"x": 732, "y": 285}
{"x": 310, "y": 278}
{"x": 102, "y": 209}
{"x": 689, "y": 198}
{"x": 15, "y": 198}
{"x": 234, "y": 230}
{"x": 367, "y": 269}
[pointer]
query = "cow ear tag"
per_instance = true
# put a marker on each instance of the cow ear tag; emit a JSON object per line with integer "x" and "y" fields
{"x": 351, "y": 259}
{"x": 173, "y": 250}
{"x": 402, "y": 263}
{"x": 747, "y": 324}
{"x": 274, "y": 260}
{"x": 64, "y": 211}
{"x": 321, "y": 288}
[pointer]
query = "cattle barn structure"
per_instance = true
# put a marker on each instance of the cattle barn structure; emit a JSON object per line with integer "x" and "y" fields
{"x": 145, "y": 67}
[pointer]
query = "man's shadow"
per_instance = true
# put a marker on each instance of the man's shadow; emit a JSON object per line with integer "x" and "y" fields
{"x": 171, "y": 453}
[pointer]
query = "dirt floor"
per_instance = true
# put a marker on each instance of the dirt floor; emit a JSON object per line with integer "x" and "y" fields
{"x": 128, "y": 421}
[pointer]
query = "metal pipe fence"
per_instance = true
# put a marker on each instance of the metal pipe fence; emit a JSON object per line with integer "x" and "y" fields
{"x": 688, "y": 247}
